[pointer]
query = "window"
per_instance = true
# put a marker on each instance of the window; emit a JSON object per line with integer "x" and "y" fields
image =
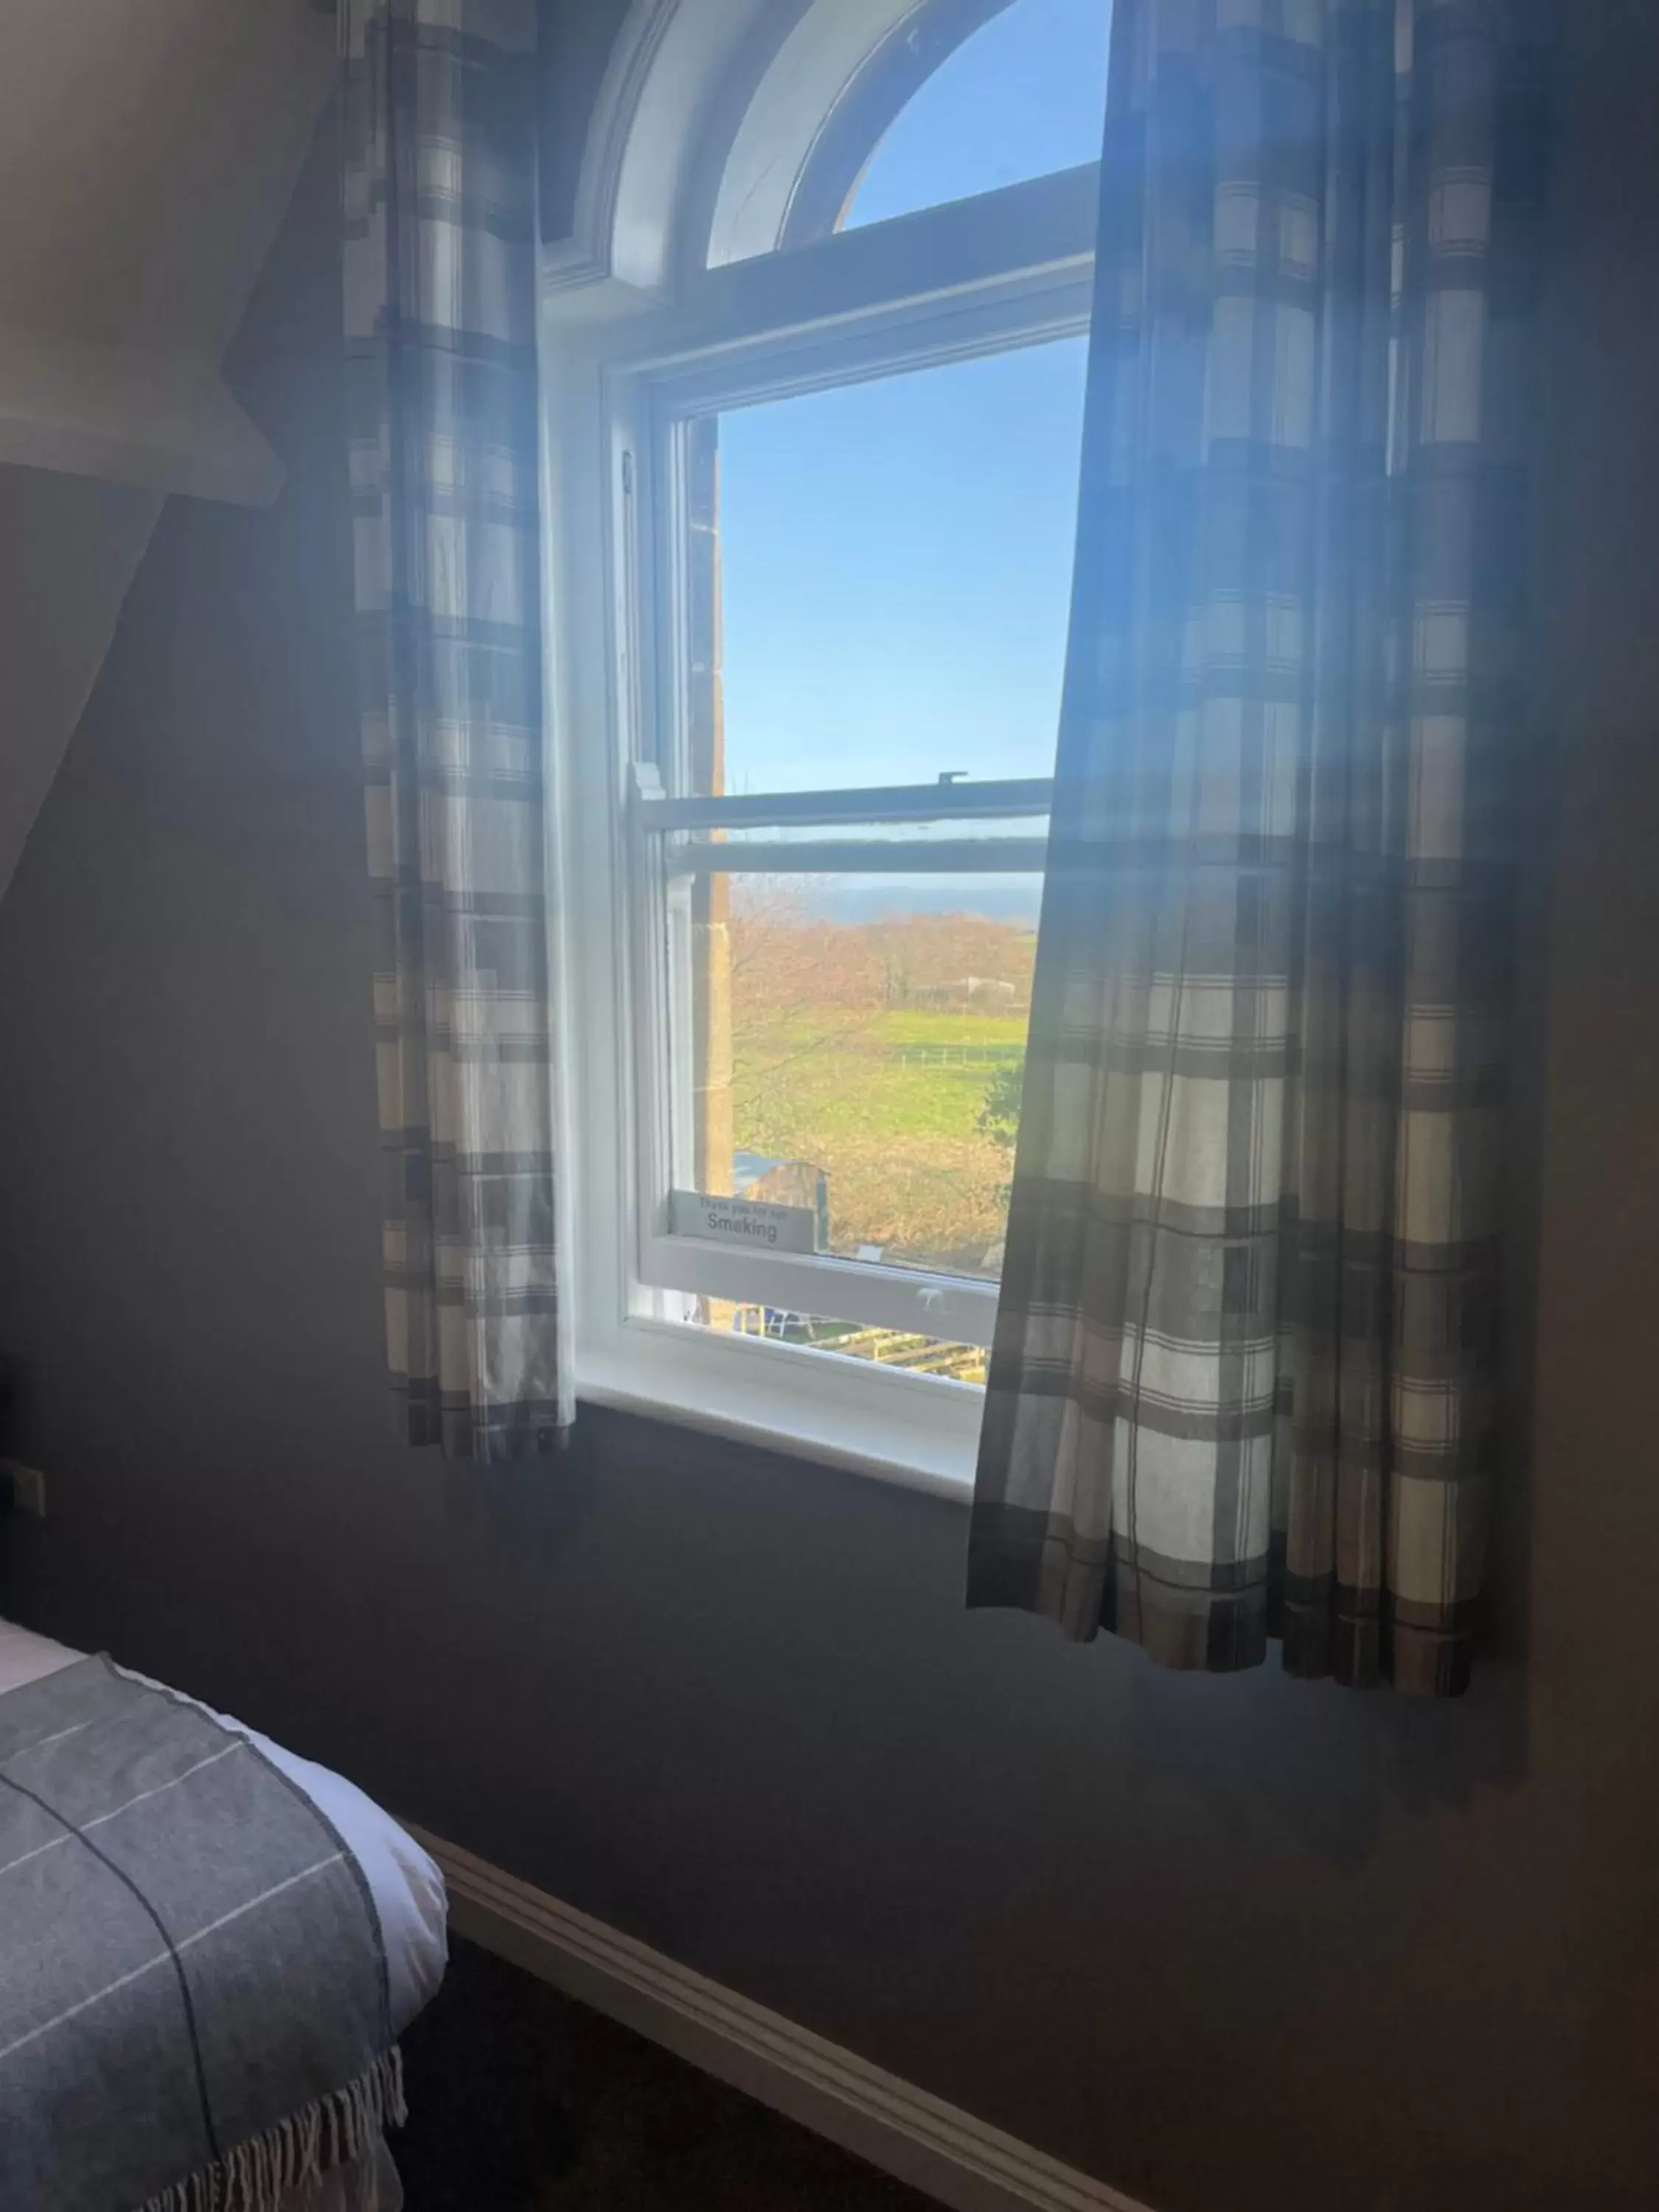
{"x": 814, "y": 504}
{"x": 1024, "y": 95}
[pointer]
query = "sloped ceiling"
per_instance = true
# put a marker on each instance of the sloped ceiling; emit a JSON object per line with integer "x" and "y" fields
{"x": 147, "y": 151}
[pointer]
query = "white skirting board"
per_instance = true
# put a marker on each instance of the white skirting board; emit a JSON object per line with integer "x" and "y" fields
{"x": 917, "y": 2137}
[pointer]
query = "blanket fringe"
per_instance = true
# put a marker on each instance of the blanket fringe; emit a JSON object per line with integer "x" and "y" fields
{"x": 330, "y": 2132}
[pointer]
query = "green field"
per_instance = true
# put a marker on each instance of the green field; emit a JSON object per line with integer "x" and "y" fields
{"x": 895, "y": 1130}
{"x": 902, "y": 1025}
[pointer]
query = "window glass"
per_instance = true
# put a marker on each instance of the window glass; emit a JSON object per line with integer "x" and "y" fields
{"x": 856, "y": 1046}
{"x": 1023, "y": 96}
{"x": 895, "y": 563}
{"x": 879, "y": 580}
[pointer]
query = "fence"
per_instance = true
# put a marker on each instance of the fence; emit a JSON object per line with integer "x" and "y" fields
{"x": 922, "y": 1355}
{"x": 958, "y": 1056}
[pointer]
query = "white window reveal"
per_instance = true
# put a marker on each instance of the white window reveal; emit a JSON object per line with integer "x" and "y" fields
{"x": 814, "y": 490}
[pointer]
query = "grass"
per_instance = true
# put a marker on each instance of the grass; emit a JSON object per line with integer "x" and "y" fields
{"x": 909, "y": 1167}
{"x": 911, "y": 1025}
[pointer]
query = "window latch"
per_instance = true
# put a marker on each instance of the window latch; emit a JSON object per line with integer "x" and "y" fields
{"x": 646, "y": 784}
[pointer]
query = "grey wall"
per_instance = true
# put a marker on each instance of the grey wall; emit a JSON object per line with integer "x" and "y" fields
{"x": 1239, "y": 1941}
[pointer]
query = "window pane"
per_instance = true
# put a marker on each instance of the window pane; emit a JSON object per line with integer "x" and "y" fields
{"x": 878, "y": 585}
{"x": 881, "y": 577}
{"x": 854, "y": 1046}
{"x": 1021, "y": 97}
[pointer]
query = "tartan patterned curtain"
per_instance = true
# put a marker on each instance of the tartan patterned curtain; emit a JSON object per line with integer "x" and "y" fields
{"x": 440, "y": 184}
{"x": 1243, "y": 1379}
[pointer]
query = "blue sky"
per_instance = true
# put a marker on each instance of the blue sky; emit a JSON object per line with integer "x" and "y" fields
{"x": 1024, "y": 95}
{"x": 898, "y": 554}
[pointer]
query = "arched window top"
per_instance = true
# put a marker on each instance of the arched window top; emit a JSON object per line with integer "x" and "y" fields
{"x": 730, "y": 130}
{"x": 869, "y": 109}
{"x": 1022, "y": 96}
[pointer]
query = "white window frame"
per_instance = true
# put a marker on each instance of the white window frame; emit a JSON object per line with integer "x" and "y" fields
{"x": 620, "y": 370}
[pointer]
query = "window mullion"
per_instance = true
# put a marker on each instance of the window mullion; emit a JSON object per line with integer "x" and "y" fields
{"x": 869, "y": 856}
{"x": 946, "y": 800}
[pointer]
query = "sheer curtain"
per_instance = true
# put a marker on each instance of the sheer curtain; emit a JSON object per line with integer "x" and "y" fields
{"x": 440, "y": 169}
{"x": 1243, "y": 1379}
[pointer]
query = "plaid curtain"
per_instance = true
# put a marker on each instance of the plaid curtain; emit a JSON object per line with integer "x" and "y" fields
{"x": 1243, "y": 1379}
{"x": 440, "y": 188}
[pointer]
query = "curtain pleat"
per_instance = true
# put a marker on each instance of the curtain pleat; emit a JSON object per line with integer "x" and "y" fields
{"x": 1244, "y": 1375}
{"x": 440, "y": 185}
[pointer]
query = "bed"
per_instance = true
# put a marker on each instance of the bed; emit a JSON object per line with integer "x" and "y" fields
{"x": 57, "y": 1709}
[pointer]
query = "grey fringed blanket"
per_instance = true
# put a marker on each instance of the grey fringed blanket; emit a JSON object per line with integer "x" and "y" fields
{"x": 193, "y": 2009}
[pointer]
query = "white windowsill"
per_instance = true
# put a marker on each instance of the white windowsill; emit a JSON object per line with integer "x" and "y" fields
{"x": 920, "y": 1434}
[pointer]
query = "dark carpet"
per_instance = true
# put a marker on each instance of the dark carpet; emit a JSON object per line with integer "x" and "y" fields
{"x": 520, "y": 2099}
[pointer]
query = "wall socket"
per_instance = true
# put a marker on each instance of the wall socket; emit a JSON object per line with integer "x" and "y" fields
{"x": 28, "y": 1486}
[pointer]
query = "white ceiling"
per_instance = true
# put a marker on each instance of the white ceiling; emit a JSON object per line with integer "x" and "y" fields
{"x": 147, "y": 151}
